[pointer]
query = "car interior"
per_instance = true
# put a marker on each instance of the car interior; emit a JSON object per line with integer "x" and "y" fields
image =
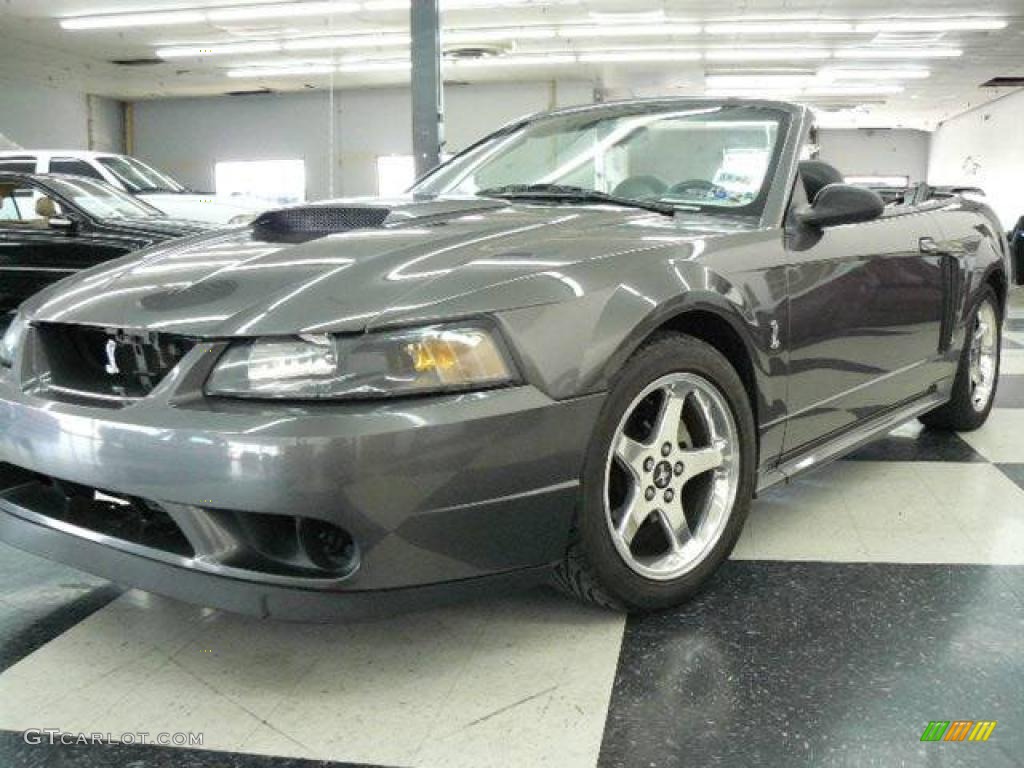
{"x": 18, "y": 209}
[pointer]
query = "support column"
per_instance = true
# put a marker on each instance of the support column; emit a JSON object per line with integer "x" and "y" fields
{"x": 427, "y": 92}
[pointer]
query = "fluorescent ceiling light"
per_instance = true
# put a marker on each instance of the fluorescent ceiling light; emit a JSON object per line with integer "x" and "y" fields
{"x": 280, "y": 11}
{"x": 822, "y": 91}
{"x": 867, "y": 89}
{"x": 239, "y": 13}
{"x": 253, "y": 72}
{"x": 188, "y": 51}
{"x": 514, "y": 61}
{"x": 446, "y": 5}
{"x": 898, "y": 53}
{"x": 780, "y": 27}
{"x": 909, "y": 73}
{"x": 766, "y": 54}
{"x": 760, "y": 81}
{"x": 395, "y": 65}
{"x": 931, "y": 25}
{"x": 349, "y": 41}
{"x": 493, "y": 34}
{"x": 121, "y": 20}
{"x": 628, "y": 17}
{"x": 627, "y": 57}
{"x": 630, "y": 30}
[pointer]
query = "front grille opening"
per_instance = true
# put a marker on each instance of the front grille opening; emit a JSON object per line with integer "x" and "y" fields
{"x": 128, "y": 519}
{"x": 86, "y": 362}
{"x": 257, "y": 543}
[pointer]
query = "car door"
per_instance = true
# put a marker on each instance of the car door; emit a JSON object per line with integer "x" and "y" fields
{"x": 33, "y": 254}
{"x": 865, "y": 324}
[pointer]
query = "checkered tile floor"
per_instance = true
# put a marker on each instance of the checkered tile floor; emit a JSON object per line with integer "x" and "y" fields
{"x": 863, "y": 601}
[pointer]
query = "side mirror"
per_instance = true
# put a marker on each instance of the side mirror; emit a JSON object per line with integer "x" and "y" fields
{"x": 68, "y": 226}
{"x": 841, "y": 204}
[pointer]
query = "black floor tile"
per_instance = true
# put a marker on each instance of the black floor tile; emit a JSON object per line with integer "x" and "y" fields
{"x": 1013, "y": 471}
{"x": 41, "y": 600}
{"x": 1010, "y": 392}
{"x": 912, "y": 442}
{"x": 15, "y": 753}
{"x": 793, "y": 664}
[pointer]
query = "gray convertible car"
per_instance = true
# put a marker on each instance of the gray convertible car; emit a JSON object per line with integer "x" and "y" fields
{"x": 578, "y": 349}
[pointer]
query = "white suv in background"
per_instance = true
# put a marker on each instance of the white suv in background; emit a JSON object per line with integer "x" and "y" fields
{"x": 135, "y": 177}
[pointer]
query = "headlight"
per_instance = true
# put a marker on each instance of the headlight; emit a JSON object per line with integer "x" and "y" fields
{"x": 12, "y": 338}
{"x": 413, "y": 362}
{"x": 242, "y": 218}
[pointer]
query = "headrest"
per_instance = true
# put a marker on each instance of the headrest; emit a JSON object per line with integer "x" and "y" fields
{"x": 46, "y": 208}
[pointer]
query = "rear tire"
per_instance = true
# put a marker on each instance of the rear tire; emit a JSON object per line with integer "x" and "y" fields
{"x": 974, "y": 389}
{"x": 667, "y": 481}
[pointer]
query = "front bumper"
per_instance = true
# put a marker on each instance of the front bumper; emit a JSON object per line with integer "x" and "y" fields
{"x": 436, "y": 491}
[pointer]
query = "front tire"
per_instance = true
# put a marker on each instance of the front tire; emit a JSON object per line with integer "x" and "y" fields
{"x": 974, "y": 389}
{"x": 667, "y": 481}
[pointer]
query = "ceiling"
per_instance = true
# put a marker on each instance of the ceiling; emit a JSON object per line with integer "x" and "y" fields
{"x": 862, "y": 62}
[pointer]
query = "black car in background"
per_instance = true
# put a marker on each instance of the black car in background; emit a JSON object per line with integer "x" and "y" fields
{"x": 52, "y": 226}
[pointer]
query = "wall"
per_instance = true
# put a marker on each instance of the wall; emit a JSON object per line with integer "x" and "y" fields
{"x": 186, "y": 137}
{"x": 875, "y": 152}
{"x": 983, "y": 148}
{"x": 106, "y": 124}
{"x": 34, "y": 116}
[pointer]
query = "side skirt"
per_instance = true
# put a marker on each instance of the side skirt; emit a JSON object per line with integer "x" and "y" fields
{"x": 851, "y": 440}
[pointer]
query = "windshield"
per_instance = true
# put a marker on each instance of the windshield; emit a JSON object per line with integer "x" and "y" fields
{"x": 138, "y": 177}
{"x": 707, "y": 157}
{"x": 102, "y": 201}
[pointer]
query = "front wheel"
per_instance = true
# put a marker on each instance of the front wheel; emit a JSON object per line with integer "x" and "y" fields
{"x": 974, "y": 389}
{"x": 667, "y": 481}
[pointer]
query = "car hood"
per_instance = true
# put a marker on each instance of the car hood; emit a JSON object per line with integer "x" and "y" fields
{"x": 429, "y": 260}
{"x": 209, "y": 208}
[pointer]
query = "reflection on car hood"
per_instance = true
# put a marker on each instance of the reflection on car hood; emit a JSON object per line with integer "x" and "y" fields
{"x": 233, "y": 204}
{"x": 429, "y": 260}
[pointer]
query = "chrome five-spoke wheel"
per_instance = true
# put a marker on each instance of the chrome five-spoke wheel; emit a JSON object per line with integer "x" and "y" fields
{"x": 672, "y": 476}
{"x": 984, "y": 352}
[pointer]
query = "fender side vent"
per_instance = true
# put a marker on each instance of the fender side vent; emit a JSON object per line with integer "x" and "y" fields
{"x": 312, "y": 222}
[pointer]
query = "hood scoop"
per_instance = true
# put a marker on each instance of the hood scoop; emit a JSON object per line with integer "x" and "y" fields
{"x": 305, "y": 223}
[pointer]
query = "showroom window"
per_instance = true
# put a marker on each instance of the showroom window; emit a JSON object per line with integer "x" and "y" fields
{"x": 275, "y": 181}
{"x": 879, "y": 181}
{"x": 395, "y": 174}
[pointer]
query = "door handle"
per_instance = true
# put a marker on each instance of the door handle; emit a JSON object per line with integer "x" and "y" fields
{"x": 928, "y": 245}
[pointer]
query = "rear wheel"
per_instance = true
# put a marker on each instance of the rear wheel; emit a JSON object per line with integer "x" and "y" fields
{"x": 667, "y": 481}
{"x": 974, "y": 388}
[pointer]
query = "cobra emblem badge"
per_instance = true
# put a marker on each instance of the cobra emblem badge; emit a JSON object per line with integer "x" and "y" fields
{"x": 112, "y": 367}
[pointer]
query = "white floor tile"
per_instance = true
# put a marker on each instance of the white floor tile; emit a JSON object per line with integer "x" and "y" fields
{"x": 899, "y": 512}
{"x": 519, "y": 681}
{"x": 1012, "y": 362}
{"x": 1001, "y": 440}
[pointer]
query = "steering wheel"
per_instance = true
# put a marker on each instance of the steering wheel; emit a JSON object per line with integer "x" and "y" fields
{"x": 697, "y": 185}
{"x": 639, "y": 187}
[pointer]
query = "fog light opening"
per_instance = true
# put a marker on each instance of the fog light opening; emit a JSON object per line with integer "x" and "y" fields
{"x": 327, "y": 546}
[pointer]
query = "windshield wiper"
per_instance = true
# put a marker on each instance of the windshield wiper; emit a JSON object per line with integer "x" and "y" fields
{"x": 572, "y": 194}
